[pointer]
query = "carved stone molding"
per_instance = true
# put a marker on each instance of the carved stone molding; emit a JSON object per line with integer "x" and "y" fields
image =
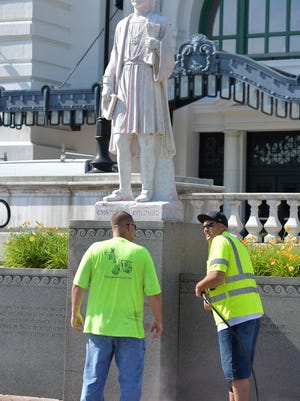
{"x": 278, "y": 289}
{"x": 149, "y": 234}
{"x": 102, "y": 233}
{"x": 32, "y": 281}
{"x": 106, "y": 233}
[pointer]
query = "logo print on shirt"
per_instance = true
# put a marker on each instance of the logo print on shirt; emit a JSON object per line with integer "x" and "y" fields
{"x": 120, "y": 265}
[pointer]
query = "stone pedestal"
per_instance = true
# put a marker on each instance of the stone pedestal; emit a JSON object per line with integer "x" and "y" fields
{"x": 172, "y": 246}
{"x": 150, "y": 211}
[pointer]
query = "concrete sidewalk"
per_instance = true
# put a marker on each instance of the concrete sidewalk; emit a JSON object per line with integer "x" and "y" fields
{"x": 21, "y": 398}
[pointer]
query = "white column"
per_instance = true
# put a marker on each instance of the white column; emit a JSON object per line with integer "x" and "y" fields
{"x": 234, "y": 161}
{"x": 186, "y": 161}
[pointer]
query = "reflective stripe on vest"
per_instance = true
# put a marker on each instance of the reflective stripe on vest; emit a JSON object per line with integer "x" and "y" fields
{"x": 240, "y": 276}
{"x": 218, "y": 261}
{"x": 240, "y": 291}
{"x": 232, "y": 293}
{"x": 236, "y": 255}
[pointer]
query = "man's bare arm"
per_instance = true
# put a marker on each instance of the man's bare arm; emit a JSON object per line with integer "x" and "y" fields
{"x": 155, "y": 302}
{"x": 77, "y": 298}
{"x": 211, "y": 280}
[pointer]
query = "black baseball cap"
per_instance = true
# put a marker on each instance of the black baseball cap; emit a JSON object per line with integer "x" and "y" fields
{"x": 213, "y": 215}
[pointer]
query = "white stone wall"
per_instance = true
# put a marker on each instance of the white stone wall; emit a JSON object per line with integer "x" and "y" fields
{"x": 16, "y": 44}
{"x": 41, "y": 40}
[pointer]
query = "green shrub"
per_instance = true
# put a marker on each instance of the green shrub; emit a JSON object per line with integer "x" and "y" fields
{"x": 276, "y": 259}
{"x": 41, "y": 247}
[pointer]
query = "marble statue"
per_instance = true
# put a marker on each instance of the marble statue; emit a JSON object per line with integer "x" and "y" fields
{"x": 134, "y": 97}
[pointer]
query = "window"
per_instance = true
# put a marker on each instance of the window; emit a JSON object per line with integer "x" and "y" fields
{"x": 273, "y": 161}
{"x": 259, "y": 28}
{"x": 211, "y": 156}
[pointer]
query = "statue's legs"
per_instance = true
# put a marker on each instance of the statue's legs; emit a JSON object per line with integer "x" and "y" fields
{"x": 147, "y": 145}
{"x": 147, "y": 162}
{"x": 124, "y": 193}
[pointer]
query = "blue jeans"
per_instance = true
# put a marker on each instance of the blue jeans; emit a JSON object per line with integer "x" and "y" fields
{"x": 237, "y": 350}
{"x": 129, "y": 356}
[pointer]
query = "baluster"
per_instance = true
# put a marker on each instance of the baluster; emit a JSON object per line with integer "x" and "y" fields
{"x": 292, "y": 226}
{"x": 213, "y": 204}
{"x": 197, "y": 208}
{"x": 234, "y": 222}
{"x": 272, "y": 225}
{"x": 253, "y": 224}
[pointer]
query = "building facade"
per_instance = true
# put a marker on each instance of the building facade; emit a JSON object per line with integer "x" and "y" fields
{"x": 239, "y": 147}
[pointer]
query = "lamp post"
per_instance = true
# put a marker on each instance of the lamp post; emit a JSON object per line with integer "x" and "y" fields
{"x": 102, "y": 162}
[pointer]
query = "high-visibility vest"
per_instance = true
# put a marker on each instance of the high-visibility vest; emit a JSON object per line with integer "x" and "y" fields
{"x": 237, "y": 295}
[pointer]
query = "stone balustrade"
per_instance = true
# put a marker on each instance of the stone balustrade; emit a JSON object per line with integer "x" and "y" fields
{"x": 256, "y": 216}
{"x": 54, "y": 200}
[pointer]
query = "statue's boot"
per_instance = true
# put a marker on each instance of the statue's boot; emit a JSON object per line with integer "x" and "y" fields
{"x": 144, "y": 196}
{"x": 119, "y": 195}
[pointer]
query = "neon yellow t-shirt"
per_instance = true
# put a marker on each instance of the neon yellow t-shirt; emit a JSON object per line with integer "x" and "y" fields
{"x": 118, "y": 273}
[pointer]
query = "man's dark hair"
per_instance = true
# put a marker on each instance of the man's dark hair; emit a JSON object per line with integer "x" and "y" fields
{"x": 121, "y": 217}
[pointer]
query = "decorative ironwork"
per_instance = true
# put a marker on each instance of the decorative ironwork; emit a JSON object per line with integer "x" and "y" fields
{"x": 49, "y": 107}
{"x": 201, "y": 70}
{"x": 278, "y": 150}
{"x": 195, "y": 56}
{"x": 209, "y": 72}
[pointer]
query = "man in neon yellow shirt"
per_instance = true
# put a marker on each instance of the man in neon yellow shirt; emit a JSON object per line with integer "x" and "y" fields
{"x": 118, "y": 274}
{"x": 231, "y": 285}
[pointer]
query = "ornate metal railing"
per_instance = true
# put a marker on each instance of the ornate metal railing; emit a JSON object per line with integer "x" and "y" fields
{"x": 49, "y": 106}
{"x": 255, "y": 216}
{"x": 201, "y": 70}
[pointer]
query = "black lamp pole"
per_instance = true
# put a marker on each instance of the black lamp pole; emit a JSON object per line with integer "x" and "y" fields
{"x": 102, "y": 162}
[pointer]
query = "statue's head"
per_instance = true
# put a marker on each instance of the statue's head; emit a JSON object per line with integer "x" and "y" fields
{"x": 149, "y": 4}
